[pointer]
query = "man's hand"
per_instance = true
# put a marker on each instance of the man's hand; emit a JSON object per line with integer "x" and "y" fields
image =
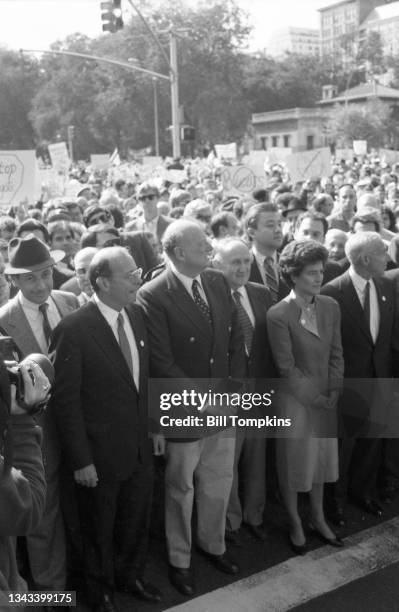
{"x": 159, "y": 444}
{"x": 35, "y": 390}
{"x": 87, "y": 476}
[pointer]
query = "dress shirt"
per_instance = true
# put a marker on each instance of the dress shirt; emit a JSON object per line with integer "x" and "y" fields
{"x": 308, "y": 317}
{"x": 246, "y": 304}
{"x": 111, "y": 316}
{"x": 260, "y": 260}
{"x": 151, "y": 226}
{"x": 359, "y": 284}
{"x": 35, "y": 318}
{"x": 187, "y": 282}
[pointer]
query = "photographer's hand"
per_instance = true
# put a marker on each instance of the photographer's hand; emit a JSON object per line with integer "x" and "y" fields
{"x": 87, "y": 476}
{"x": 34, "y": 391}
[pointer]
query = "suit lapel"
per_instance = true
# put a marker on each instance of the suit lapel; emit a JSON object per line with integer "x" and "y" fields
{"x": 256, "y": 276}
{"x": 383, "y": 306}
{"x": 185, "y": 303}
{"x": 104, "y": 337}
{"x": 61, "y": 304}
{"x": 139, "y": 333}
{"x": 18, "y": 327}
{"x": 353, "y": 305}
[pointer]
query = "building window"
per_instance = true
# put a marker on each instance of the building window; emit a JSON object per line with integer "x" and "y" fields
{"x": 286, "y": 140}
{"x": 263, "y": 142}
{"x": 274, "y": 141}
{"x": 310, "y": 142}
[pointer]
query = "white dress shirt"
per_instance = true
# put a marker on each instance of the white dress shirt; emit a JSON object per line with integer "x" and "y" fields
{"x": 359, "y": 284}
{"x": 245, "y": 303}
{"x": 35, "y": 318}
{"x": 187, "y": 282}
{"x": 111, "y": 316}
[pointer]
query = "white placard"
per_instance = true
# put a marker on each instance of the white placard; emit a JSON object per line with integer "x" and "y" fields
{"x": 388, "y": 156}
{"x": 309, "y": 164}
{"x": 17, "y": 177}
{"x": 99, "y": 161}
{"x": 360, "y": 147}
{"x": 242, "y": 180}
{"x": 226, "y": 151}
{"x": 59, "y": 156}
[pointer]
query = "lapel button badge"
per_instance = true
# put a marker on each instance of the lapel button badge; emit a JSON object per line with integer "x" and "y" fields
{"x": 303, "y": 321}
{"x": 141, "y": 342}
{"x": 383, "y": 298}
{"x": 192, "y": 339}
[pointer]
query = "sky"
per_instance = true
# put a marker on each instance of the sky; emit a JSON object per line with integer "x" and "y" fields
{"x": 35, "y": 24}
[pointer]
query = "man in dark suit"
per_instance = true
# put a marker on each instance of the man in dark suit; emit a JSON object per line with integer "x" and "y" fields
{"x": 370, "y": 344}
{"x": 233, "y": 257}
{"x": 263, "y": 226}
{"x": 313, "y": 226}
{"x": 194, "y": 333}
{"x": 99, "y": 401}
{"x": 150, "y": 221}
{"x": 28, "y": 318}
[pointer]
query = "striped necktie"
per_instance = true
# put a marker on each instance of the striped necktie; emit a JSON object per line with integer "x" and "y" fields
{"x": 271, "y": 279}
{"x": 244, "y": 320}
{"x": 202, "y": 305}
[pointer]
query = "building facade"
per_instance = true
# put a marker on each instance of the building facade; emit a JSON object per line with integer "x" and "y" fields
{"x": 385, "y": 20}
{"x": 300, "y": 129}
{"x": 305, "y": 41}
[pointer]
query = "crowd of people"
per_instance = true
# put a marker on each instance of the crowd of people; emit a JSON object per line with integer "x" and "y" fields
{"x": 132, "y": 282}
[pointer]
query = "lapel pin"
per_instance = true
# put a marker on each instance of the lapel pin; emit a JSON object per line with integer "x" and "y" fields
{"x": 303, "y": 321}
{"x": 383, "y": 298}
{"x": 141, "y": 342}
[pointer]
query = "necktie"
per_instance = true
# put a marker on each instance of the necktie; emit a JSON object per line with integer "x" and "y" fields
{"x": 202, "y": 305}
{"x": 124, "y": 344}
{"x": 245, "y": 321}
{"x": 46, "y": 323}
{"x": 271, "y": 279}
{"x": 366, "y": 305}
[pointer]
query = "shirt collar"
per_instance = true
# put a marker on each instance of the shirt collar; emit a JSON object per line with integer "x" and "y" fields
{"x": 358, "y": 281}
{"x": 240, "y": 290}
{"x": 261, "y": 258}
{"x": 110, "y": 314}
{"x": 186, "y": 280}
{"x": 25, "y": 303}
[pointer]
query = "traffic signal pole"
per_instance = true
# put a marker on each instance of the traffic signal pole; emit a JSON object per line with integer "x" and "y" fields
{"x": 174, "y": 90}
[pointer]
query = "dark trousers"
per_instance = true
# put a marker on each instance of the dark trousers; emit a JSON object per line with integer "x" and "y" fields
{"x": 115, "y": 517}
{"x": 359, "y": 462}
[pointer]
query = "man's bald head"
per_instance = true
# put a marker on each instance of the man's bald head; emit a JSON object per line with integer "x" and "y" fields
{"x": 107, "y": 262}
{"x": 367, "y": 254}
{"x": 233, "y": 257}
{"x": 187, "y": 246}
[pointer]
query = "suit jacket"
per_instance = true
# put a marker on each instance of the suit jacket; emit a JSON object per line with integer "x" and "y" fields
{"x": 393, "y": 275}
{"x": 101, "y": 417}
{"x": 162, "y": 224}
{"x": 260, "y": 360}
{"x": 363, "y": 358}
{"x": 140, "y": 249}
{"x": 71, "y": 285}
{"x": 183, "y": 343}
{"x": 256, "y": 277}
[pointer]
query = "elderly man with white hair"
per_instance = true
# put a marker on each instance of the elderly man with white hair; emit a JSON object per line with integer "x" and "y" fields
{"x": 201, "y": 211}
{"x": 370, "y": 341}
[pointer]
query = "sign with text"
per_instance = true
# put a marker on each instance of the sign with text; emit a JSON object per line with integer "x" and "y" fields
{"x": 309, "y": 164}
{"x": 242, "y": 180}
{"x": 360, "y": 147}
{"x": 388, "y": 156}
{"x": 226, "y": 151}
{"x": 17, "y": 177}
{"x": 59, "y": 156}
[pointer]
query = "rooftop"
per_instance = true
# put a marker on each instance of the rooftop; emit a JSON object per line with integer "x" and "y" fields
{"x": 364, "y": 90}
{"x": 386, "y": 11}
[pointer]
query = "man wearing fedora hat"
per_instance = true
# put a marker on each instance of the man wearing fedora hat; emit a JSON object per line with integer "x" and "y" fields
{"x": 29, "y": 318}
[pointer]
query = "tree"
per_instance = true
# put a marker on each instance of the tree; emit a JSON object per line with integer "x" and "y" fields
{"x": 373, "y": 122}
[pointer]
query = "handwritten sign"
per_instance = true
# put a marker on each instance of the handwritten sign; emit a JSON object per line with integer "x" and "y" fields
{"x": 226, "y": 151}
{"x": 309, "y": 164}
{"x": 17, "y": 177}
{"x": 242, "y": 180}
{"x": 360, "y": 147}
{"x": 59, "y": 156}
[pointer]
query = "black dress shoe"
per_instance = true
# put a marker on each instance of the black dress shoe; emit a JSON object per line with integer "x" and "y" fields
{"x": 106, "y": 605}
{"x": 223, "y": 562}
{"x": 372, "y": 507}
{"x": 258, "y": 531}
{"x": 337, "y": 516}
{"x": 299, "y": 549}
{"x": 234, "y": 537}
{"x": 182, "y": 580}
{"x": 335, "y": 541}
{"x": 143, "y": 590}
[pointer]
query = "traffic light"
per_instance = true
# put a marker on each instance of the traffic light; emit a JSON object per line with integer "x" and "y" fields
{"x": 112, "y": 16}
{"x": 187, "y": 133}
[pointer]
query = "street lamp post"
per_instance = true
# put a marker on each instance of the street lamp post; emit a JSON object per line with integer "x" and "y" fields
{"x": 156, "y": 124}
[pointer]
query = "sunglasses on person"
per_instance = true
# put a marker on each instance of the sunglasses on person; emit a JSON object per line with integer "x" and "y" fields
{"x": 102, "y": 218}
{"x": 112, "y": 242}
{"x": 148, "y": 196}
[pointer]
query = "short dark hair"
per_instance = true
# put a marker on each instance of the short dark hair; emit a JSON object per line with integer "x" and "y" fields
{"x": 253, "y": 214}
{"x": 88, "y": 239}
{"x": 32, "y": 225}
{"x": 297, "y": 255}
{"x": 260, "y": 195}
{"x": 59, "y": 226}
{"x": 313, "y": 216}
{"x": 219, "y": 220}
{"x": 7, "y": 223}
{"x": 321, "y": 200}
{"x": 102, "y": 268}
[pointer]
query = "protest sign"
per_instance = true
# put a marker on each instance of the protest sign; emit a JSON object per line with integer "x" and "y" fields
{"x": 226, "y": 151}
{"x": 51, "y": 181}
{"x": 152, "y": 160}
{"x": 242, "y": 180}
{"x": 277, "y": 155}
{"x": 99, "y": 161}
{"x": 309, "y": 164}
{"x": 17, "y": 177}
{"x": 59, "y": 156}
{"x": 389, "y": 156}
{"x": 360, "y": 147}
{"x": 347, "y": 154}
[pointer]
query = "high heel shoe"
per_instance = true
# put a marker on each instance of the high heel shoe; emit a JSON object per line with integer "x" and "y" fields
{"x": 336, "y": 541}
{"x": 299, "y": 549}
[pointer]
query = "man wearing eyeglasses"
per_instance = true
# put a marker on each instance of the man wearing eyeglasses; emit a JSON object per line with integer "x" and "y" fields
{"x": 99, "y": 401}
{"x": 151, "y": 221}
